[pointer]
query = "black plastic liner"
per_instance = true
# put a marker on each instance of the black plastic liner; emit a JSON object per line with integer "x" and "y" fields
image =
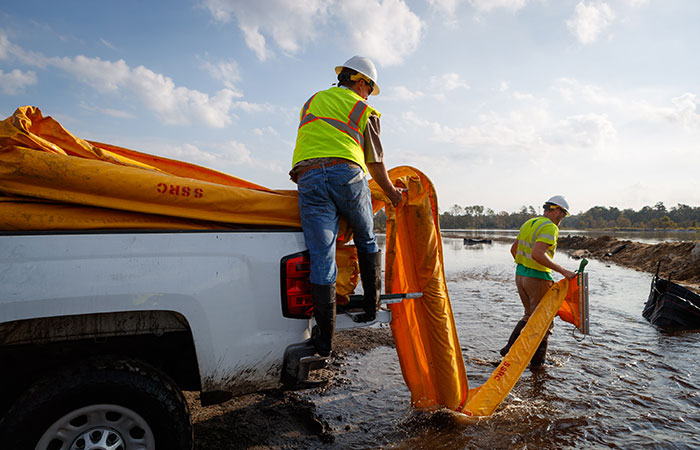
{"x": 671, "y": 306}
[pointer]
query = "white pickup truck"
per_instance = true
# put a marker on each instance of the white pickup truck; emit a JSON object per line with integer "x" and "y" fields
{"x": 101, "y": 331}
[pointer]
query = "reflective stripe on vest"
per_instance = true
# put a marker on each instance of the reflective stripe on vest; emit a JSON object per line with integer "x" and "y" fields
{"x": 352, "y": 126}
{"x": 525, "y": 247}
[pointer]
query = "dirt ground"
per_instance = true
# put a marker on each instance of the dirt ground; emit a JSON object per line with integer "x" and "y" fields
{"x": 246, "y": 422}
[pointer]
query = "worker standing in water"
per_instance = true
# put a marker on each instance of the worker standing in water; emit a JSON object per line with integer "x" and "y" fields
{"x": 337, "y": 144}
{"x": 533, "y": 251}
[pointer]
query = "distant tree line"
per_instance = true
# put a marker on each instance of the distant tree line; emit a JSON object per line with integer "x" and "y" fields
{"x": 599, "y": 217}
{"x": 648, "y": 218}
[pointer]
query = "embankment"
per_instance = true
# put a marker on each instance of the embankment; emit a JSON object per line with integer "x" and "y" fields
{"x": 680, "y": 259}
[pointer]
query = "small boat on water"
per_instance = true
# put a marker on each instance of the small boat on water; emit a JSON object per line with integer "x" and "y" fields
{"x": 473, "y": 241}
{"x": 671, "y": 306}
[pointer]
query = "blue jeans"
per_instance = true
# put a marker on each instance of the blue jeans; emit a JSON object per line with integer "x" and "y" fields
{"x": 325, "y": 194}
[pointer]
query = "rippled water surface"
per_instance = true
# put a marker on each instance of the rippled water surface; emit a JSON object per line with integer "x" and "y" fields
{"x": 628, "y": 385}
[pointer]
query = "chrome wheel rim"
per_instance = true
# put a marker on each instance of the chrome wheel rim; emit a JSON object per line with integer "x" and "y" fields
{"x": 98, "y": 427}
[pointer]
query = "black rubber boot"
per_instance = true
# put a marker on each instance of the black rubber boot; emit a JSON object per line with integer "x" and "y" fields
{"x": 513, "y": 336}
{"x": 371, "y": 275}
{"x": 323, "y": 297}
{"x": 540, "y": 354}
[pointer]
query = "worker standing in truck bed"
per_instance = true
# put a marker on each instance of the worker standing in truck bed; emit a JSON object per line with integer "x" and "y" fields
{"x": 337, "y": 144}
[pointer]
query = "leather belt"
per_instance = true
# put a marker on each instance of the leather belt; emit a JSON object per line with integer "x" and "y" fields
{"x": 334, "y": 162}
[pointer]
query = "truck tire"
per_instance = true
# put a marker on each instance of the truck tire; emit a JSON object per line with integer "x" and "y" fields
{"x": 100, "y": 404}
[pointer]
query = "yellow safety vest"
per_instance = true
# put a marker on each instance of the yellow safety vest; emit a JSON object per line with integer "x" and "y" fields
{"x": 538, "y": 229}
{"x": 332, "y": 124}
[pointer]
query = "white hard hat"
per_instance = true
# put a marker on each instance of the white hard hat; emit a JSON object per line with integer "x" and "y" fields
{"x": 364, "y": 66}
{"x": 561, "y": 202}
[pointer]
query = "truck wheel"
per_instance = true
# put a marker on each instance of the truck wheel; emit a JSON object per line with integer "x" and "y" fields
{"x": 100, "y": 404}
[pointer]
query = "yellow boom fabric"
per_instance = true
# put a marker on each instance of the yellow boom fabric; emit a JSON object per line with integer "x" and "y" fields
{"x": 486, "y": 399}
{"x": 52, "y": 180}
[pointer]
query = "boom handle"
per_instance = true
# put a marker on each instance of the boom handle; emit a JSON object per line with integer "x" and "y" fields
{"x": 584, "y": 263}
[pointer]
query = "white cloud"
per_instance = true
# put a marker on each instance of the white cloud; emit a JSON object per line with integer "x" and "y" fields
{"x": 574, "y": 91}
{"x": 685, "y": 111}
{"x": 174, "y": 105}
{"x": 237, "y": 154}
{"x": 402, "y": 93}
{"x": 227, "y": 72}
{"x": 4, "y": 46}
{"x": 589, "y": 21}
{"x": 585, "y": 132}
{"x": 117, "y": 113}
{"x": 448, "y": 7}
{"x": 591, "y": 120}
{"x": 108, "y": 111}
{"x": 180, "y": 105}
{"x": 254, "y": 107}
{"x": 190, "y": 153}
{"x": 265, "y": 131}
{"x": 488, "y": 5}
{"x": 432, "y": 163}
{"x": 255, "y": 41}
{"x": 107, "y": 44}
{"x": 14, "y": 82}
{"x": 519, "y": 130}
{"x": 531, "y": 133}
{"x": 290, "y": 23}
{"x": 105, "y": 76}
{"x": 438, "y": 87}
{"x": 448, "y": 82}
{"x": 385, "y": 30}
{"x": 633, "y": 107}
{"x": 523, "y": 96}
{"x": 229, "y": 156}
{"x": 8, "y": 49}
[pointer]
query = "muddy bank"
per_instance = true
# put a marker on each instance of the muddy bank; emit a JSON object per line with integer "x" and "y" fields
{"x": 680, "y": 259}
{"x": 278, "y": 419}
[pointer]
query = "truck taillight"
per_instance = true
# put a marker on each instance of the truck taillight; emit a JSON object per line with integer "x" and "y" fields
{"x": 296, "y": 288}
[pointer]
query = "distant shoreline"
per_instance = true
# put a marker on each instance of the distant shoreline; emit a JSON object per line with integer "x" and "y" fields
{"x": 586, "y": 230}
{"x": 646, "y": 236}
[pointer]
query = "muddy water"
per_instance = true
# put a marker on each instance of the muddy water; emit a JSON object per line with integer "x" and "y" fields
{"x": 628, "y": 385}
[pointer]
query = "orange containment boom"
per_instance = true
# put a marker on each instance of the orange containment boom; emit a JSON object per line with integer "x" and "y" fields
{"x": 575, "y": 307}
{"x": 423, "y": 328}
{"x": 52, "y": 180}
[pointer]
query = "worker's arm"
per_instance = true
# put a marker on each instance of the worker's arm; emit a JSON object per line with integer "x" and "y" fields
{"x": 514, "y": 248}
{"x": 379, "y": 174}
{"x": 539, "y": 254}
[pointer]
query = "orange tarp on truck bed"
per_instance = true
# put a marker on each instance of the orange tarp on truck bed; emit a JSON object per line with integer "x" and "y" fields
{"x": 42, "y": 161}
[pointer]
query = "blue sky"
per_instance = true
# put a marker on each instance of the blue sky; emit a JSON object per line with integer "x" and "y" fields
{"x": 502, "y": 103}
